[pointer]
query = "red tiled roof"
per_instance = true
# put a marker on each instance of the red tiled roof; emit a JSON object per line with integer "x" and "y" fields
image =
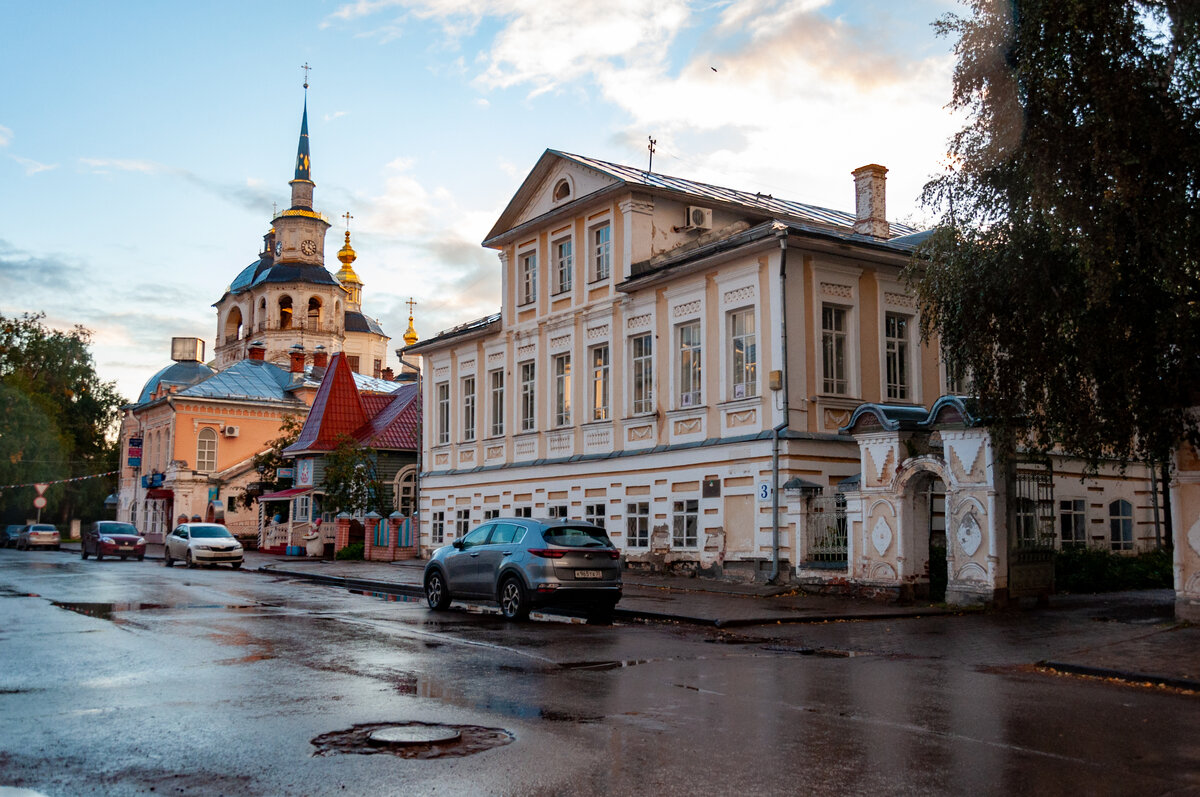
{"x": 394, "y": 425}
{"x": 336, "y": 410}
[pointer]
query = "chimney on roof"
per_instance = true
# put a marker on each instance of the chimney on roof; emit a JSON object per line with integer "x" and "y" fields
{"x": 258, "y": 351}
{"x": 297, "y": 359}
{"x": 320, "y": 357}
{"x": 870, "y": 201}
{"x": 389, "y": 375}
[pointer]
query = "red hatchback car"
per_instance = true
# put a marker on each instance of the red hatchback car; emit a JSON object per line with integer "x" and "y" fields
{"x": 112, "y": 538}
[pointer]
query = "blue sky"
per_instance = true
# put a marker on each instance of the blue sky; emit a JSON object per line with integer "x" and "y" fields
{"x": 142, "y": 144}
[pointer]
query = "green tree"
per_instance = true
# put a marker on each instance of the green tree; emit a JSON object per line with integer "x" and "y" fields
{"x": 1063, "y": 274}
{"x": 269, "y": 461}
{"x": 351, "y": 479}
{"x": 58, "y": 420}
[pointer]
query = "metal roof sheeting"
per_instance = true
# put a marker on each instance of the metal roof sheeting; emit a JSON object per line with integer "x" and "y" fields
{"x": 246, "y": 379}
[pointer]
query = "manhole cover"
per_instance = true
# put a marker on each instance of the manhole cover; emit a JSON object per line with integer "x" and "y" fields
{"x": 412, "y": 740}
{"x": 414, "y": 734}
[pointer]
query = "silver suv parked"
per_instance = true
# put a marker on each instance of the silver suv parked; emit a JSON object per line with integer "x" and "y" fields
{"x": 525, "y": 563}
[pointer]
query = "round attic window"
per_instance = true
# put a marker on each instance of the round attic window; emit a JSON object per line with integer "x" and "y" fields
{"x": 562, "y": 190}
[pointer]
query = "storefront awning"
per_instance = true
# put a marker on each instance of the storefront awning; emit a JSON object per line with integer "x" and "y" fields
{"x": 285, "y": 495}
{"x": 158, "y": 493}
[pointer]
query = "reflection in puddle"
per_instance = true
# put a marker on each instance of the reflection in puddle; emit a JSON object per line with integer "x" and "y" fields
{"x": 390, "y": 597}
{"x": 105, "y": 611}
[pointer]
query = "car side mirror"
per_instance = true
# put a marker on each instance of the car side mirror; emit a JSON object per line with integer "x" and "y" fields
{"x": 457, "y": 544}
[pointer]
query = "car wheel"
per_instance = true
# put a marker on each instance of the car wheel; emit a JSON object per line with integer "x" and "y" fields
{"x": 236, "y": 565}
{"x": 83, "y": 553}
{"x": 190, "y": 562}
{"x": 600, "y": 615}
{"x": 167, "y": 560}
{"x": 99, "y": 555}
{"x": 140, "y": 558}
{"x": 123, "y": 558}
{"x": 513, "y": 603}
{"x": 436, "y": 594}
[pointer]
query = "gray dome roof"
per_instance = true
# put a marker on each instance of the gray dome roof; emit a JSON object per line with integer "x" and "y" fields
{"x": 181, "y": 375}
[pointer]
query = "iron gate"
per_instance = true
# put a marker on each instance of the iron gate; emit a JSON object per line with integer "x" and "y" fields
{"x": 825, "y": 531}
{"x": 1031, "y": 530}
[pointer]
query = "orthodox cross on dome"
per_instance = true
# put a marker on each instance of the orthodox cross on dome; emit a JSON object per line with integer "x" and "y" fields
{"x": 306, "y": 69}
{"x": 347, "y": 217}
{"x": 411, "y": 304}
{"x": 410, "y": 334}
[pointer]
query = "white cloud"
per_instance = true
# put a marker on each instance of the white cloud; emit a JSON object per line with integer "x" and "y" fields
{"x": 329, "y": 117}
{"x": 32, "y": 166}
{"x": 106, "y": 165}
{"x": 6, "y": 136}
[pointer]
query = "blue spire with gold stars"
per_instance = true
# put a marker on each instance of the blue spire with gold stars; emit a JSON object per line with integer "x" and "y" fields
{"x": 302, "y": 162}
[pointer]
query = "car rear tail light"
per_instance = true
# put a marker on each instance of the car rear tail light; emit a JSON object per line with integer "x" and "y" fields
{"x": 548, "y": 553}
{"x": 614, "y": 554}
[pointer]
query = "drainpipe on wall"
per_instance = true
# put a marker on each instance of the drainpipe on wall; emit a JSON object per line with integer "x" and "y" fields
{"x": 781, "y": 235}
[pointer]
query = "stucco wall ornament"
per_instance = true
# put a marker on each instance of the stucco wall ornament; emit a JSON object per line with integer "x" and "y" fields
{"x": 881, "y": 536}
{"x": 969, "y": 535}
{"x": 1194, "y": 536}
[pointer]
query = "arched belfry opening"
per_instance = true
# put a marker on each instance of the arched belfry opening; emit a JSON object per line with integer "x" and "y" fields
{"x": 233, "y": 325}
{"x": 285, "y": 312}
{"x": 314, "y": 313}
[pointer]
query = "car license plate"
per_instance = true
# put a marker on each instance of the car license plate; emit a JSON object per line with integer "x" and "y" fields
{"x": 588, "y": 574}
{"x": 126, "y": 547}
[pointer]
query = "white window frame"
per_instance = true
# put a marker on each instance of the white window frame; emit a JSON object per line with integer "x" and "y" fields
{"x": 528, "y": 370}
{"x": 206, "y": 455}
{"x": 468, "y": 406}
{"x": 442, "y": 393}
{"x": 685, "y": 523}
{"x": 690, "y": 361}
{"x": 527, "y": 267}
{"x": 437, "y": 527}
{"x": 637, "y": 524}
{"x": 598, "y": 359}
{"x": 642, "y": 376}
{"x": 595, "y": 514}
{"x": 835, "y": 380}
{"x": 898, "y": 371}
{"x": 496, "y": 402}
{"x": 1120, "y": 524}
{"x": 462, "y": 522}
{"x": 562, "y": 389}
{"x": 564, "y": 264}
{"x": 743, "y": 346}
{"x": 600, "y": 247}
{"x": 1076, "y": 510}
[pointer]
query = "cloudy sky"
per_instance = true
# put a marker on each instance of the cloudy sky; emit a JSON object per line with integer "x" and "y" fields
{"x": 142, "y": 144}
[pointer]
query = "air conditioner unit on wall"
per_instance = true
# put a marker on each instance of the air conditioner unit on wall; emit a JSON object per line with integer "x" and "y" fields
{"x": 698, "y": 218}
{"x": 232, "y": 431}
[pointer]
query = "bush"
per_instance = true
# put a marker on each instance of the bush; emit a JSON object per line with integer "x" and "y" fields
{"x": 1101, "y": 570}
{"x": 352, "y": 551}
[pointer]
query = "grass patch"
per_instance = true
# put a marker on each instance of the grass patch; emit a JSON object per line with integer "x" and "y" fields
{"x": 1101, "y": 570}
{"x": 353, "y": 551}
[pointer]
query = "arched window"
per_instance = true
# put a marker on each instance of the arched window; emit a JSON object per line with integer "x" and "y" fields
{"x": 233, "y": 325}
{"x": 404, "y": 491}
{"x": 314, "y": 312}
{"x": 206, "y": 450}
{"x": 562, "y": 190}
{"x": 1120, "y": 525}
{"x": 285, "y": 312}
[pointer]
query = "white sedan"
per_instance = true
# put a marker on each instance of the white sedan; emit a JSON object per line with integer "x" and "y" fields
{"x": 202, "y": 544}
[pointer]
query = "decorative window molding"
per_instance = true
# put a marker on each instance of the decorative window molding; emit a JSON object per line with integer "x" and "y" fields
{"x": 740, "y": 295}
{"x": 638, "y": 321}
{"x": 686, "y": 309}
{"x": 597, "y": 333}
{"x": 837, "y": 290}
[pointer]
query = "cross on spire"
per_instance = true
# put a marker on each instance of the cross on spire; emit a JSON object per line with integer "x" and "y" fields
{"x": 347, "y": 217}
{"x": 306, "y": 69}
{"x": 411, "y": 304}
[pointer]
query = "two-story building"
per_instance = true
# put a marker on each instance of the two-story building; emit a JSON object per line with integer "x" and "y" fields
{"x": 667, "y": 352}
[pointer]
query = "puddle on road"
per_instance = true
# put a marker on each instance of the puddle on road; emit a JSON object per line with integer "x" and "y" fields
{"x": 9, "y": 592}
{"x": 826, "y": 653}
{"x": 602, "y": 665}
{"x": 105, "y": 611}
{"x": 390, "y": 597}
{"x": 357, "y": 740}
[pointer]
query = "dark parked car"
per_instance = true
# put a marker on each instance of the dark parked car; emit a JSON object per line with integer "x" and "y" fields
{"x": 10, "y": 536}
{"x": 39, "y": 535}
{"x": 112, "y": 538}
{"x": 523, "y": 564}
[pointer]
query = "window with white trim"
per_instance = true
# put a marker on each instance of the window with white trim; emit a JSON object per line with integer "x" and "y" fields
{"x": 462, "y": 522}
{"x": 637, "y": 524}
{"x": 468, "y": 408}
{"x": 833, "y": 350}
{"x": 685, "y": 522}
{"x": 562, "y": 390}
{"x": 689, "y": 364}
{"x": 599, "y": 360}
{"x": 564, "y": 265}
{"x": 642, "y": 360}
{"x": 206, "y": 450}
{"x": 558, "y": 511}
{"x": 896, "y": 356}
{"x": 301, "y": 507}
{"x": 528, "y": 281}
{"x": 594, "y": 514}
{"x": 1120, "y": 525}
{"x": 496, "y": 393}
{"x": 601, "y": 240}
{"x": 523, "y": 511}
{"x": 443, "y": 413}
{"x": 491, "y": 514}
{"x": 528, "y": 397}
{"x": 404, "y": 491}
{"x": 743, "y": 355}
{"x": 437, "y": 528}
{"x": 1072, "y": 523}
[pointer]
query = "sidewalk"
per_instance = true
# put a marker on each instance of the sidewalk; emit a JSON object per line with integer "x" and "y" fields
{"x": 1159, "y": 651}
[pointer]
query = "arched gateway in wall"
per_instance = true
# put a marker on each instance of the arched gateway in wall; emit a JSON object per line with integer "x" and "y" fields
{"x": 930, "y": 517}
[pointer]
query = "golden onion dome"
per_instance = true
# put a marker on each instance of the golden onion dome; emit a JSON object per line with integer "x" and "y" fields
{"x": 347, "y": 255}
{"x": 410, "y": 334}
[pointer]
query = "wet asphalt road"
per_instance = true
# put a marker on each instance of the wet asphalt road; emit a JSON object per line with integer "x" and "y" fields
{"x": 126, "y": 677}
